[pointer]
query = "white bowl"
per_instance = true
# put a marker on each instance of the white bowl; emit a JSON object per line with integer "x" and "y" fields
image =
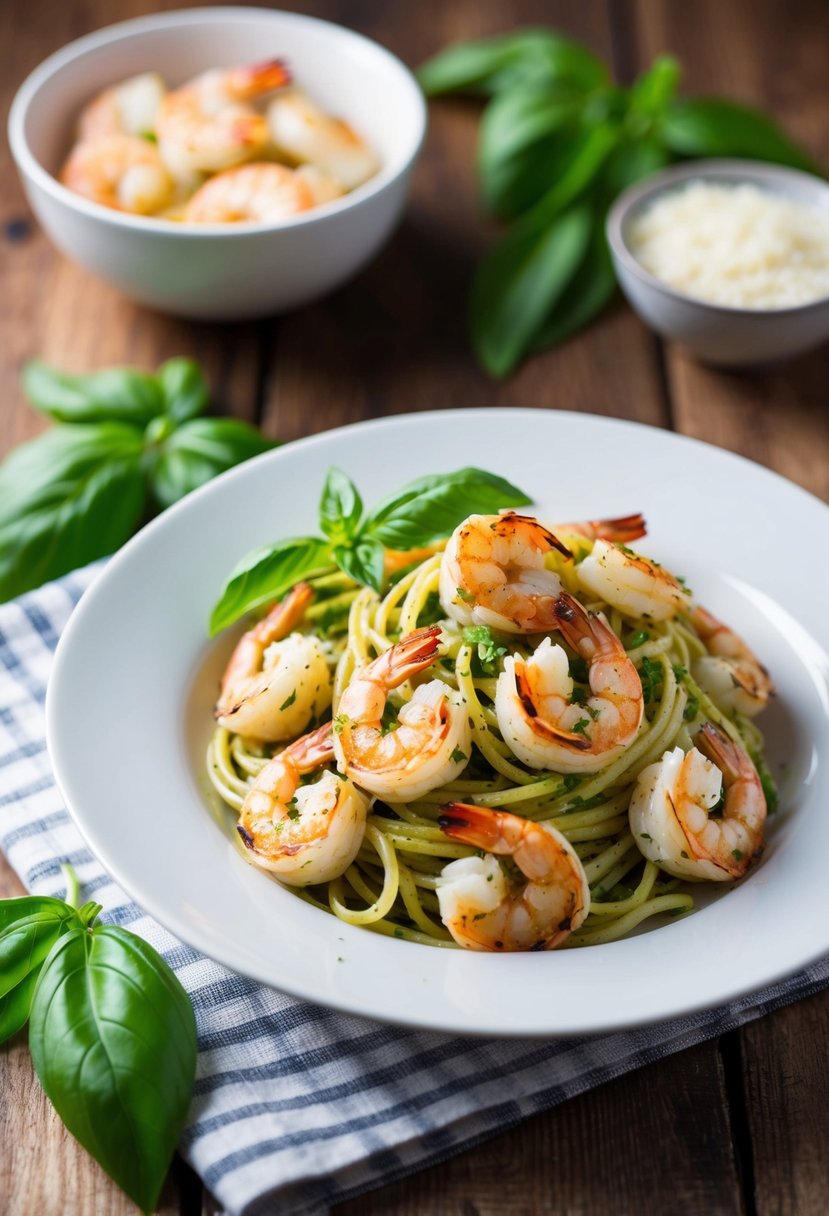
{"x": 222, "y": 272}
{"x": 736, "y": 337}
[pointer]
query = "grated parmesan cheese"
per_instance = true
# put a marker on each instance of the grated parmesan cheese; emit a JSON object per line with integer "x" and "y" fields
{"x": 735, "y": 245}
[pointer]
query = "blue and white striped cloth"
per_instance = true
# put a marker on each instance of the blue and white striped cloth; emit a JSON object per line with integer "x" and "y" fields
{"x": 296, "y": 1107}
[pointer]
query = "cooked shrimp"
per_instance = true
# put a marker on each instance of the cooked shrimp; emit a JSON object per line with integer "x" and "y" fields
{"x": 120, "y": 171}
{"x": 621, "y": 531}
{"x": 128, "y": 108}
{"x": 206, "y": 125}
{"x": 430, "y": 744}
{"x": 634, "y": 584}
{"x": 493, "y": 573}
{"x": 302, "y": 132}
{"x": 303, "y": 833}
{"x": 275, "y": 684}
{"x": 670, "y": 810}
{"x": 483, "y": 909}
{"x": 536, "y": 716}
{"x": 732, "y": 675}
{"x": 258, "y": 193}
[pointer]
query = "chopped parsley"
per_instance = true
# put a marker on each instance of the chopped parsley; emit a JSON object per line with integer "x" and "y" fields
{"x": 458, "y": 755}
{"x": 464, "y": 595}
{"x": 691, "y": 709}
{"x": 339, "y": 723}
{"x": 650, "y": 673}
{"x": 489, "y": 649}
{"x": 580, "y": 727}
{"x": 288, "y": 702}
{"x": 638, "y": 639}
{"x": 737, "y": 854}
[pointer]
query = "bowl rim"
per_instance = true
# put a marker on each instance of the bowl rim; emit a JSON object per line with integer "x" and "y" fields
{"x": 30, "y": 167}
{"x": 753, "y": 172}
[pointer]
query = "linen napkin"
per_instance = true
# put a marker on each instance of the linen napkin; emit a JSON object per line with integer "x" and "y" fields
{"x": 296, "y": 1107}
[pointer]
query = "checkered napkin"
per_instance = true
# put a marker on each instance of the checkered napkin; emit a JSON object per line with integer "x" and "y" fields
{"x": 296, "y": 1107}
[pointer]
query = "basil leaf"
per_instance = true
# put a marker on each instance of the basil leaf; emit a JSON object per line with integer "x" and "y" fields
{"x": 116, "y": 394}
{"x": 266, "y": 573}
{"x": 363, "y": 561}
{"x": 519, "y": 282}
{"x": 184, "y": 389}
{"x": 528, "y": 137}
{"x": 340, "y": 507}
{"x": 198, "y": 451}
{"x": 492, "y": 64}
{"x": 652, "y": 91}
{"x": 73, "y": 494}
{"x": 113, "y": 1040}
{"x": 29, "y": 928}
{"x": 632, "y": 161}
{"x": 430, "y": 508}
{"x": 709, "y": 126}
{"x": 590, "y": 290}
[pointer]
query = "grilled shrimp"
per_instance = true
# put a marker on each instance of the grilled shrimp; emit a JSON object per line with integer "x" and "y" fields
{"x": 302, "y": 133}
{"x": 259, "y": 193}
{"x": 206, "y": 125}
{"x": 634, "y": 584}
{"x": 128, "y": 108}
{"x": 303, "y": 833}
{"x": 493, "y": 573}
{"x": 430, "y": 743}
{"x": 536, "y": 715}
{"x": 275, "y": 684}
{"x": 670, "y": 810}
{"x": 120, "y": 171}
{"x": 483, "y": 909}
{"x": 732, "y": 675}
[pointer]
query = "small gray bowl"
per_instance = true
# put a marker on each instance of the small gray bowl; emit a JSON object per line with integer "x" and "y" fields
{"x": 716, "y": 333}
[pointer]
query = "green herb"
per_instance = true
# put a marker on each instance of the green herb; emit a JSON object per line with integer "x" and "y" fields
{"x": 466, "y": 596}
{"x": 691, "y": 709}
{"x": 458, "y": 755}
{"x": 679, "y": 671}
{"x": 289, "y": 700}
{"x": 645, "y": 836}
{"x": 490, "y": 651}
{"x": 638, "y": 639}
{"x": 558, "y": 141}
{"x": 737, "y": 854}
{"x": 111, "y": 1033}
{"x": 579, "y": 670}
{"x": 128, "y": 444}
{"x": 339, "y": 723}
{"x": 580, "y": 727}
{"x": 650, "y": 673}
{"x": 293, "y": 811}
{"x": 423, "y": 512}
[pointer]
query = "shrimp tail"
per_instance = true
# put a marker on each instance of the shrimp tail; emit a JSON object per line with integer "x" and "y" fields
{"x": 582, "y": 630}
{"x": 257, "y": 78}
{"x": 622, "y": 530}
{"x": 731, "y": 760}
{"x": 475, "y": 825}
{"x": 313, "y": 749}
{"x": 283, "y": 616}
{"x": 410, "y": 655}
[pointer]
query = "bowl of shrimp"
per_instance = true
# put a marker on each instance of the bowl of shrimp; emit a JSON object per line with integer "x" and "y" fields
{"x": 221, "y": 163}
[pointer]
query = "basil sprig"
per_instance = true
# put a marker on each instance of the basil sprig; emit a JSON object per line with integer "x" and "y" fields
{"x": 128, "y": 444}
{"x": 558, "y": 142}
{"x": 423, "y": 512}
{"x": 111, "y": 1033}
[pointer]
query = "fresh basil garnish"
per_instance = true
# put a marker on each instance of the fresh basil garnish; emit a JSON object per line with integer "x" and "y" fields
{"x": 116, "y": 394}
{"x": 29, "y": 928}
{"x": 266, "y": 573}
{"x": 184, "y": 389}
{"x": 425, "y": 511}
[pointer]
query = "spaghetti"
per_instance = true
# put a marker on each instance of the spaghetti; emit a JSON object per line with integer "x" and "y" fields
{"x": 391, "y": 885}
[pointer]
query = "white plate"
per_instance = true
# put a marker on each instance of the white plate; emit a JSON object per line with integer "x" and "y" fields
{"x": 129, "y": 717}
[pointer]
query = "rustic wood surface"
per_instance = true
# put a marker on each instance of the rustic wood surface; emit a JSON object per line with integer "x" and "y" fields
{"x": 735, "y": 1126}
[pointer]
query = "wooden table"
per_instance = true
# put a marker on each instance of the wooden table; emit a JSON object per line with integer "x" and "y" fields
{"x": 740, "y": 1125}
